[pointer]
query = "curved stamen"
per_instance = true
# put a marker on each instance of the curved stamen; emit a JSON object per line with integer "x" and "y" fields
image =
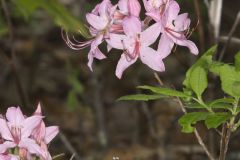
{"x": 76, "y": 45}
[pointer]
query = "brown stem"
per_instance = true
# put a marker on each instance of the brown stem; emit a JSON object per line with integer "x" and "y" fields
{"x": 13, "y": 55}
{"x": 226, "y": 132}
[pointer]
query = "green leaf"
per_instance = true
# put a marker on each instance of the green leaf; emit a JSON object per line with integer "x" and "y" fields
{"x": 57, "y": 11}
{"x": 140, "y": 97}
{"x": 190, "y": 119}
{"x": 237, "y": 61}
{"x": 164, "y": 91}
{"x": 204, "y": 61}
{"x": 228, "y": 76}
{"x": 198, "y": 80}
{"x": 215, "y": 120}
{"x": 236, "y": 88}
{"x": 222, "y": 100}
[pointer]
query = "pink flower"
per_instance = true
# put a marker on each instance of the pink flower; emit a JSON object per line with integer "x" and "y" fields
{"x": 44, "y": 135}
{"x": 17, "y": 129}
{"x": 135, "y": 44}
{"x": 100, "y": 20}
{"x": 174, "y": 28}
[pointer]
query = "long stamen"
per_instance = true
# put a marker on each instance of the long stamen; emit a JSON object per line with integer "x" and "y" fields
{"x": 76, "y": 45}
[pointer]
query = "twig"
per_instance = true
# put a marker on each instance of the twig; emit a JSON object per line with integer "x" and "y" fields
{"x": 69, "y": 146}
{"x": 13, "y": 59}
{"x": 234, "y": 27}
{"x": 224, "y": 39}
{"x": 196, "y": 133}
{"x": 72, "y": 157}
{"x": 57, "y": 156}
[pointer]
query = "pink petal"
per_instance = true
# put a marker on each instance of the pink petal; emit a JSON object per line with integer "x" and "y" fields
{"x": 150, "y": 35}
{"x": 154, "y": 15}
{"x": 115, "y": 41}
{"x": 131, "y": 26}
{"x": 123, "y": 64}
{"x": 15, "y": 116}
{"x": 94, "y": 54}
{"x": 29, "y": 124}
{"x": 6, "y": 145}
{"x": 51, "y": 132}
{"x": 96, "y": 22}
{"x": 103, "y": 8}
{"x": 39, "y": 132}
{"x": 134, "y": 7}
{"x": 96, "y": 42}
{"x": 191, "y": 46}
{"x": 147, "y": 5}
{"x": 5, "y": 132}
{"x": 182, "y": 22}
{"x": 31, "y": 146}
{"x": 38, "y": 111}
{"x": 123, "y": 6}
{"x": 151, "y": 58}
{"x": 172, "y": 11}
{"x": 165, "y": 46}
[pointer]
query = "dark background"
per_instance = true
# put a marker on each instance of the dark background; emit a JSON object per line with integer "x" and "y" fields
{"x": 83, "y": 103}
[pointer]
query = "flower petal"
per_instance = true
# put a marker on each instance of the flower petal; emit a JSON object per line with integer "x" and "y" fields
{"x": 172, "y": 11}
{"x": 15, "y": 116}
{"x": 150, "y": 35}
{"x": 123, "y": 6}
{"x": 191, "y": 46}
{"x": 182, "y": 22}
{"x": 115, "y": 41}
{"x": 103, "y": 8}
{"x": 151, "y": 58}
{"x": 29, "y": 124}
{"x": 96, "y": 43}
{"x": 31, "y": 146}
{"x": 131, "y": 26}
{"x": 123, "y": 64}
{"x": 38, "y": 111}
{"x": 51, "y": 132}
{"x": 154, "y": 15}
{"x": 165, "y": 46}
{"x": 6, "y": 145}
{"x": 94, "y": 54}
{"x": 96, "y": 22}
{"x": 4, "y": 131}
{"x": 134, "y": 7}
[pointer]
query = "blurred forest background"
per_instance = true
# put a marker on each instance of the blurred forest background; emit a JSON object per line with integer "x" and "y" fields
{"x": 94, "y": 126}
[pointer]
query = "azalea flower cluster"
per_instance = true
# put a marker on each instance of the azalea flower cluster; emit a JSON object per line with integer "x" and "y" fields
{"x": 25, "y": 138}
{"x": 120, "y": 26}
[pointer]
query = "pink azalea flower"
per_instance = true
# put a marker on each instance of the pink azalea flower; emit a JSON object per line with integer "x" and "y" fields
{"x": 100, "y": 20}
{"x": 174, "y": 28}
{"x": 17, "y": 129}
{"x": 44, "y": 135}
{"x": 135, "y": 44}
